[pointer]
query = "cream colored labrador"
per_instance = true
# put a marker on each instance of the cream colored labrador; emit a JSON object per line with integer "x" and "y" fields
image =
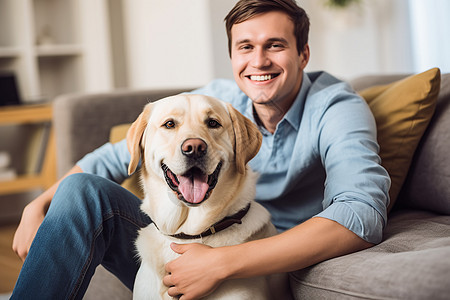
{"x": 198, "y": 188}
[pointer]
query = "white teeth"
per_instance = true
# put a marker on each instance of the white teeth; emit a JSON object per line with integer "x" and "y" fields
{"x": 261, "y": 77}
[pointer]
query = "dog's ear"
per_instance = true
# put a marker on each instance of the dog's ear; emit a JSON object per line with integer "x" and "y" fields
{"x": 247, "y": 138}
{"x": 134, "y": 138}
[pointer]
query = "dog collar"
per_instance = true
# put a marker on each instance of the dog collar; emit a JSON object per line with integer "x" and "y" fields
{"x": 216, "y": 227}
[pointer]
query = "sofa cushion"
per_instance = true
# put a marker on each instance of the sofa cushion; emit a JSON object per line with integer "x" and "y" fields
{"x": 411, "y": 263}
{"x": 427, "y": 185}
{"x": 402, "y": 111}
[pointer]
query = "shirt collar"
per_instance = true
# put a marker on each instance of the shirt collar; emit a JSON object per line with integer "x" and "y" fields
{"x": 293, "y": 116}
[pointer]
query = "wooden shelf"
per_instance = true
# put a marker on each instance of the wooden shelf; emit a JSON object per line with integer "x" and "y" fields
{"x": 20, "y": 184}
{"x": 22, "y": 114}
{"x": 26, "y": 114}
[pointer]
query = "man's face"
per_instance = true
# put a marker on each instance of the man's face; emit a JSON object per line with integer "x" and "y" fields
{"x": 265, "y": 60}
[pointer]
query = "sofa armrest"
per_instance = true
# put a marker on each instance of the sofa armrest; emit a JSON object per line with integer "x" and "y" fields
{"x": 83, "y": 122}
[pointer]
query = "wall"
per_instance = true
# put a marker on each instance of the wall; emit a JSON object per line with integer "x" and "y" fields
{"x": 218, "y": 9}
{"x": 168, "y": 43}
{"x": 370, "y": 37}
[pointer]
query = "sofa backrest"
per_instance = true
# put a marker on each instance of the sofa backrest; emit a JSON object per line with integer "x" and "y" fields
{"x": 428, "y": 183}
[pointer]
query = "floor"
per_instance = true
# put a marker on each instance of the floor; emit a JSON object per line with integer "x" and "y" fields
{"x": 10, "y": 263}
{"x": 11, "y": 207}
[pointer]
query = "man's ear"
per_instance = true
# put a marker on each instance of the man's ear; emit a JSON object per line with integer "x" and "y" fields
{"x": 248, "y": 139}
{"x": 304, "y": 57}
{"x": 134, "y": 138}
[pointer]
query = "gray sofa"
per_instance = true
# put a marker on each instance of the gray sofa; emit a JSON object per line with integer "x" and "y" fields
{"x": 412, "y": 262}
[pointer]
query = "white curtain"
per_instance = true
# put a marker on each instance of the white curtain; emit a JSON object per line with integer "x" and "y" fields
{"x": 430, "y": 34}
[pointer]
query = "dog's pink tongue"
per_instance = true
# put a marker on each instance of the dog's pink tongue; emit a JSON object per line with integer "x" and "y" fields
{"x": 193, "y": 187}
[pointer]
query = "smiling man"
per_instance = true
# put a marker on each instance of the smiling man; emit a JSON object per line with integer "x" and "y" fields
{"x": 320, "y": 177}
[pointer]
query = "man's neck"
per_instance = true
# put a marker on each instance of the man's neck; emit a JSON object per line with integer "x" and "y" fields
{"x": 269, "y": 113}
{"x": 268, "y": 116}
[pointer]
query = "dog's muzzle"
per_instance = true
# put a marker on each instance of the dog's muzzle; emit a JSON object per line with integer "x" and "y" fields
{"x": 194, "y": 186}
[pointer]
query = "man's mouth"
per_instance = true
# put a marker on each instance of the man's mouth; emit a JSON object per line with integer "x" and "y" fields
{"x": 194, "y": 186}
{"x": 260, "y": 78}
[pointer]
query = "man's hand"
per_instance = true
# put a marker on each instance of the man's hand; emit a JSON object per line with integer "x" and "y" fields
{"x": 196, "y": 273}
{"x": 32, "y": 218}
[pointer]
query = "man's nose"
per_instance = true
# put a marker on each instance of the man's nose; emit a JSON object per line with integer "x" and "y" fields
{"x": 260, "y": 59}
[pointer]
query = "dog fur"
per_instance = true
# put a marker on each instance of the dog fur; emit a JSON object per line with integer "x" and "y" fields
{"x": 226, "y": 141}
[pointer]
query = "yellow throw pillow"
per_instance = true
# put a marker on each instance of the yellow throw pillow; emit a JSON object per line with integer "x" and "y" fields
{"x": 132, "y": 184}
{"x": 402, "y": 111}
{"x": 118, "y": 132}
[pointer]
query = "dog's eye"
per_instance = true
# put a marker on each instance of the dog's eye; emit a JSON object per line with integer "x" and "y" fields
{"x": 169, "y": 124}
{"x": 213, "y": 123}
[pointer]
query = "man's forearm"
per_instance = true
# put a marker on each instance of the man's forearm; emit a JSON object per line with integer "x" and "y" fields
{"x": 313, "y": 241}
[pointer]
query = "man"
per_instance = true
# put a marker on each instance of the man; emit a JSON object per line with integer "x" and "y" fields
{"x": 320, "y": 177}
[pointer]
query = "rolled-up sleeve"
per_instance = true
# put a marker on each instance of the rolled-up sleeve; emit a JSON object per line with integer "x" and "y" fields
{"x": 361, "y": 218}
{"x": 356, "y": 186}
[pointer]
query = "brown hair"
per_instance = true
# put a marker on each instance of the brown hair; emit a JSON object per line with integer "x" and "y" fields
{"x": 247, "y": 9}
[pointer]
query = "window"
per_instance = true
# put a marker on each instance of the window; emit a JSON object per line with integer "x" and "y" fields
{"x": 430, "y": 34}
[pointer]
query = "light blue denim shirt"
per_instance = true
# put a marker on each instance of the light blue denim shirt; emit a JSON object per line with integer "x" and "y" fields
{"x": 322, "y": 159}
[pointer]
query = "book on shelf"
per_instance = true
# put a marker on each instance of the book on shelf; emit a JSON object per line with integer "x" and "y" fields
{"x": 5, "y": 159}
{"x": 6, "y": 172}
{"x": 37, "y": 145}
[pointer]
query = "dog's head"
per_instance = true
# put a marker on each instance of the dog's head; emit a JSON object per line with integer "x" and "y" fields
{"x": 190, "y": 142}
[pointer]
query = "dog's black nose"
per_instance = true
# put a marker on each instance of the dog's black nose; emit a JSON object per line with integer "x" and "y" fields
{"x": 194, "y": 148}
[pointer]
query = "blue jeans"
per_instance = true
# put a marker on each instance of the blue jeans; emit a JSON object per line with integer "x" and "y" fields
{"x": 91, "y": 221}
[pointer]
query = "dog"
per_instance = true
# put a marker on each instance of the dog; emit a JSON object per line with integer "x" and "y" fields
{"x": 194, "y": 151}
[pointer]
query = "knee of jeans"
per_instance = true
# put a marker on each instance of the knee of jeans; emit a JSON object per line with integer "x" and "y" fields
{"x": 77, "y": 182}
{"x": 76, "y": 191}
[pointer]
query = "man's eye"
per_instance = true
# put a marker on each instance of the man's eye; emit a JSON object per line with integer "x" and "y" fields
{"x": 169, "y": 124}
{"x": 213, "y": 123}
{"x": 276, "y": 46}
{"x": 245, "y": 47}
